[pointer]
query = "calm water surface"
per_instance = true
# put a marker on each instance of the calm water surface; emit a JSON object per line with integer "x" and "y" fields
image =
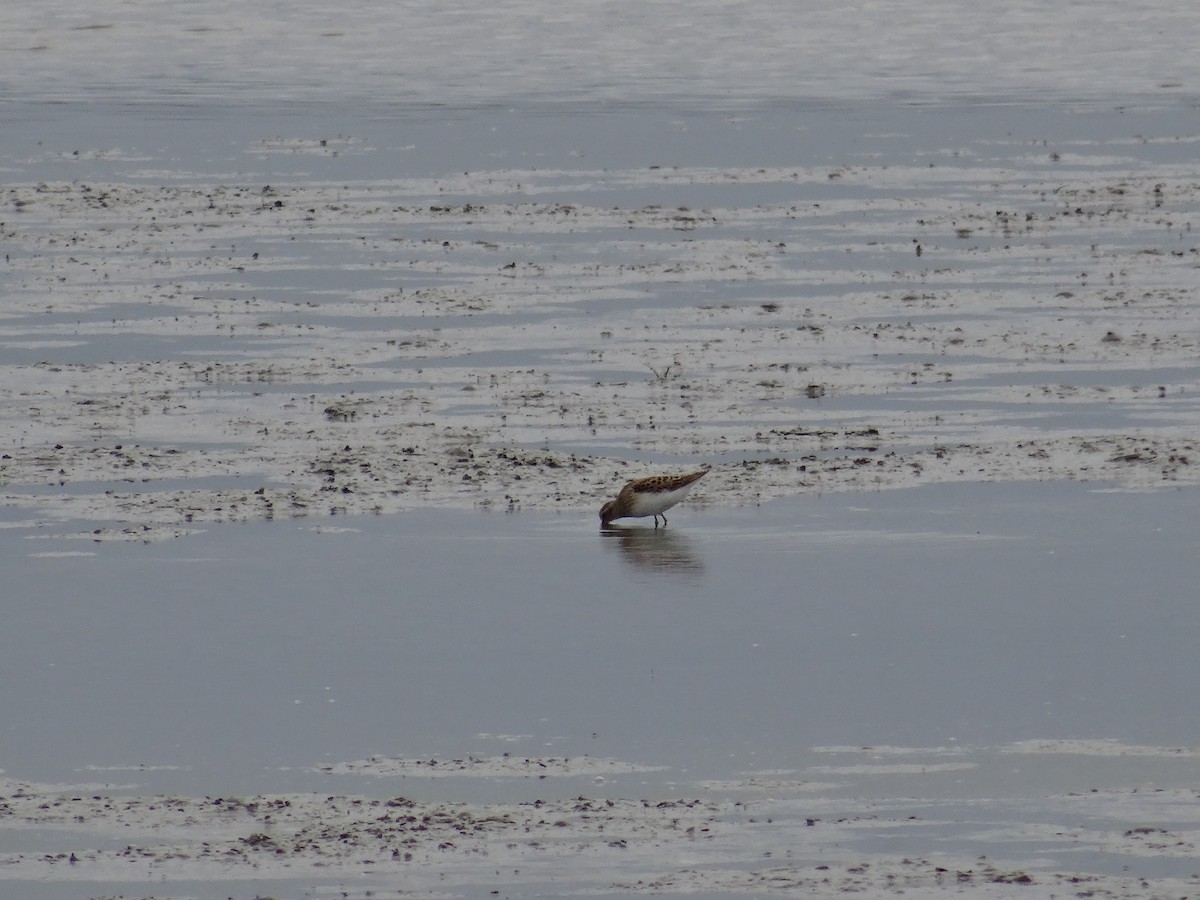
{"x": 732, "y": 641}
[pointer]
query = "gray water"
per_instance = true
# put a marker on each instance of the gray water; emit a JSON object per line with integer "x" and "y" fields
{"x": 519, "y": 50}
{"x": 730, "y": 641}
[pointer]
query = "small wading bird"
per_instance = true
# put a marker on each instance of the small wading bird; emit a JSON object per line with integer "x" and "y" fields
{"x": 651, "y": 496}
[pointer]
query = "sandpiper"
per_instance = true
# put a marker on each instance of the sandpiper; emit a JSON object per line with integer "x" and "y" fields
{"x": 651, "y": 496}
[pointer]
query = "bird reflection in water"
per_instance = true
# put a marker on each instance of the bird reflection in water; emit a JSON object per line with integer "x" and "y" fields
{"x": 654, "y": 549}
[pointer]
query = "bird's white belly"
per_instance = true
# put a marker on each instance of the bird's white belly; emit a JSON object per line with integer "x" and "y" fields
{"x": 657, "y": 503}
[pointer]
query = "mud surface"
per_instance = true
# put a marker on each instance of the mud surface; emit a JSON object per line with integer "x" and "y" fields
{"x": 185, "y": 349}
{"x": 774, "y": 831}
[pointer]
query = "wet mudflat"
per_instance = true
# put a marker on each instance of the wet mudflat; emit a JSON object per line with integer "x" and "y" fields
{"x": 310, "y": 392}
{"x": 273, "y": 328}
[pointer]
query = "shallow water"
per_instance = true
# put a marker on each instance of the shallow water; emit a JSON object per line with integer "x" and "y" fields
{"x": 971, "y": 617}
{"x": 526, "y": 50}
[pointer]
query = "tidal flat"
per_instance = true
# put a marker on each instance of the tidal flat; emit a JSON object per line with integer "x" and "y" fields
{"x": 307, "y": 421}
{"x": 952, "y": 295}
